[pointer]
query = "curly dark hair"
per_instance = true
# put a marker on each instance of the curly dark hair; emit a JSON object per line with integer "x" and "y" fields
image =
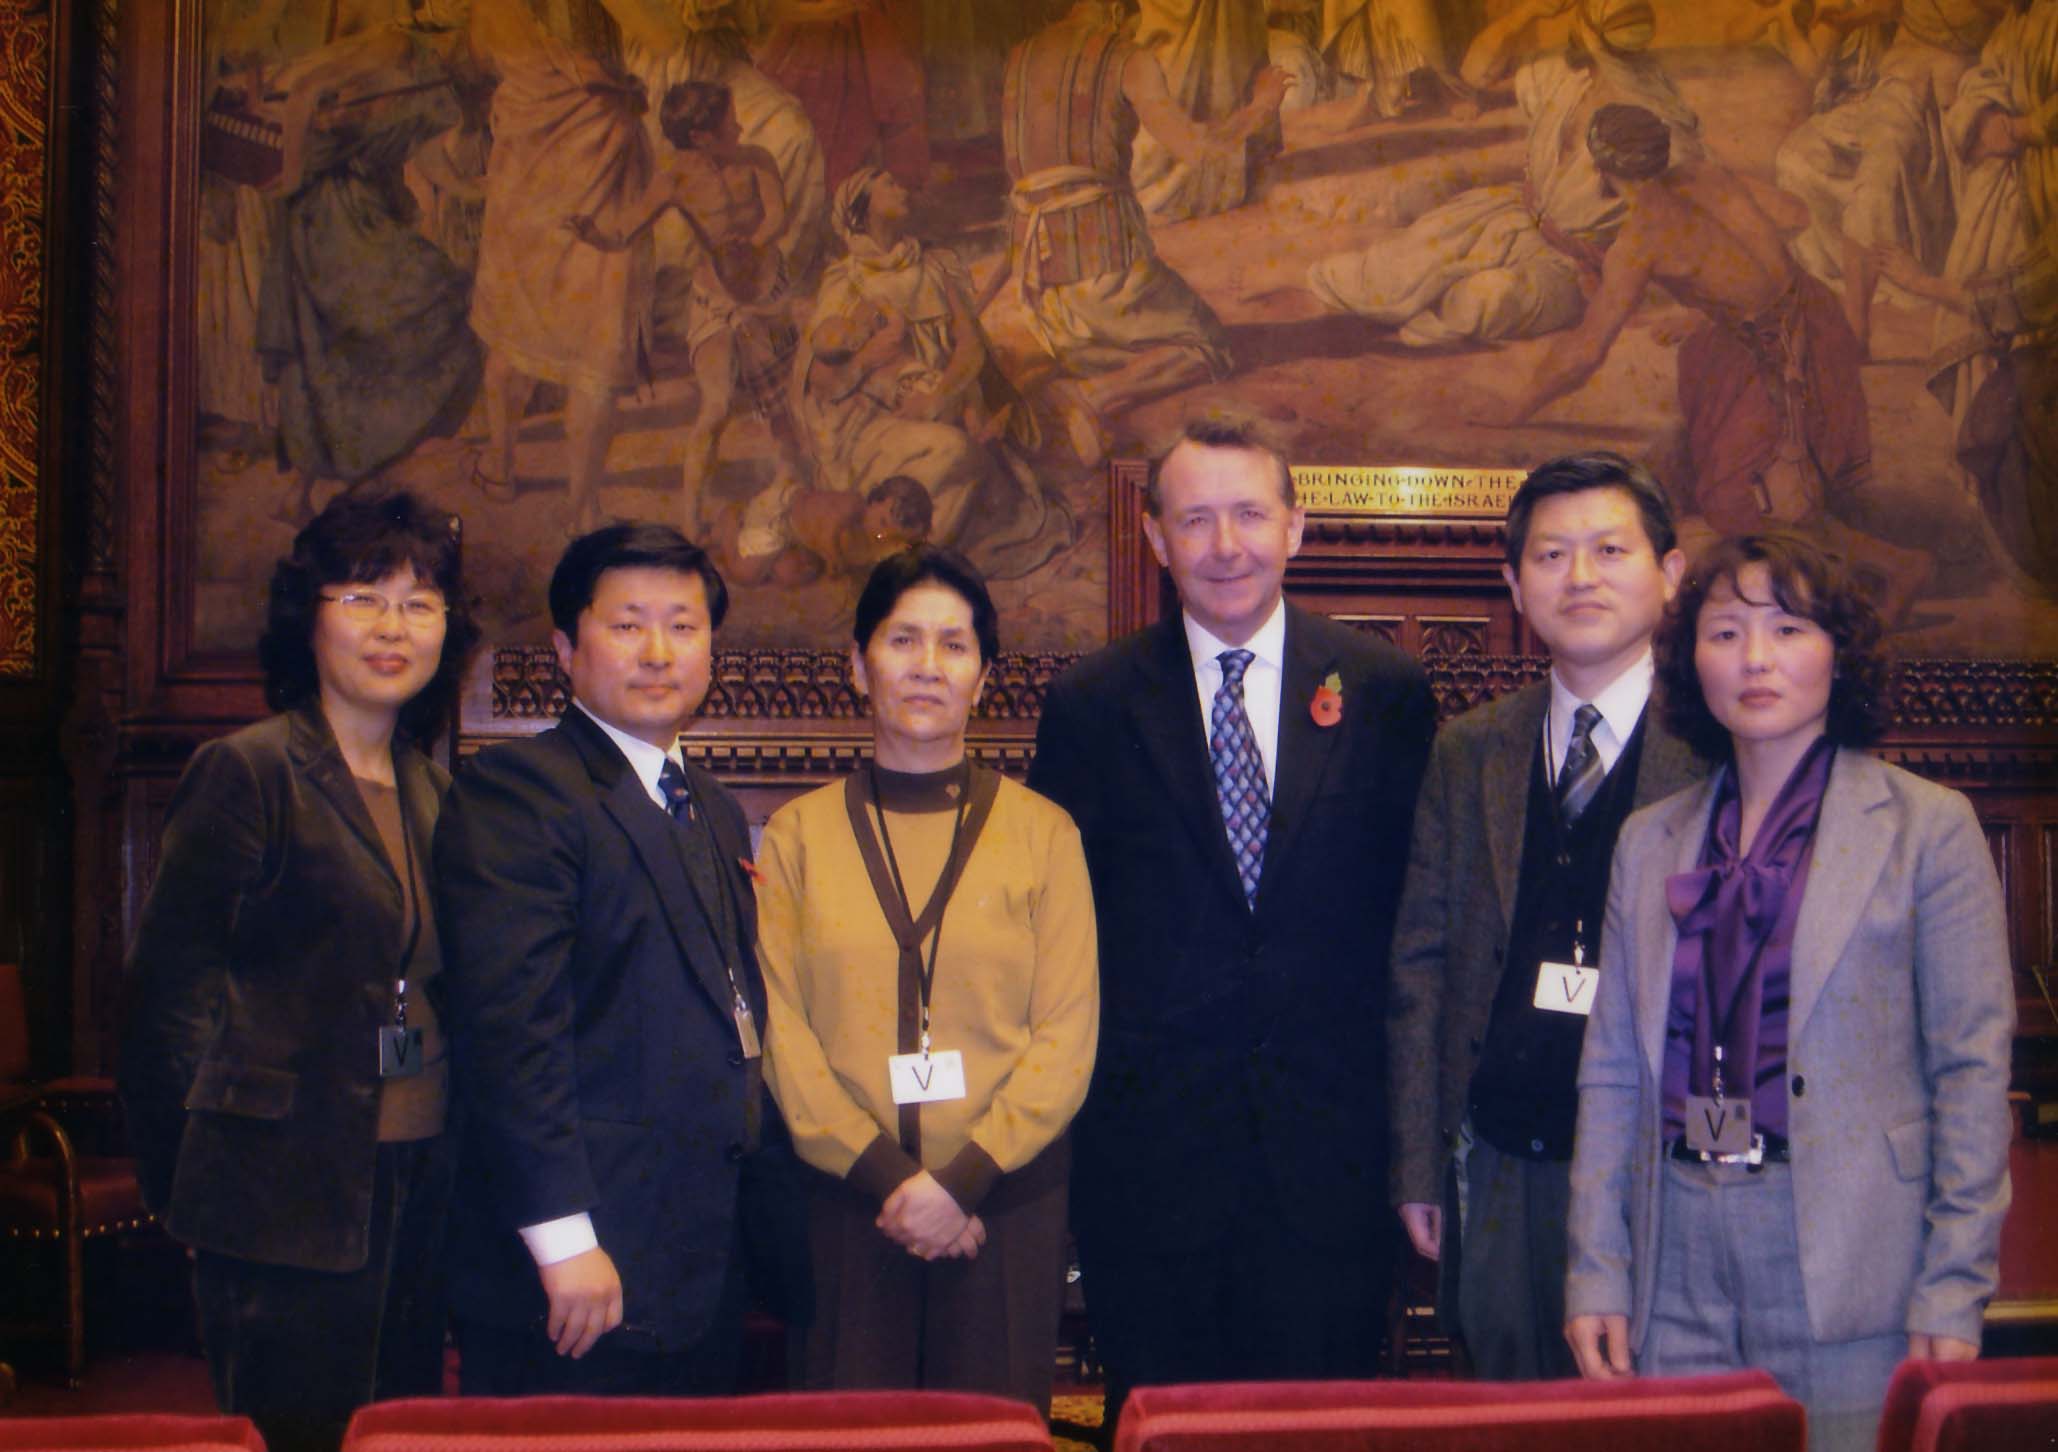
{"x": 357, "y": 540}
{"x": 1807, "y": 581}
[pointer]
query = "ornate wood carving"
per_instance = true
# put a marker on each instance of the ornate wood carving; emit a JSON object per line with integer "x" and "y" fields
{"x": 769, "y": 685}
{"x": 24, "y": 160}
{"x": 102, "y": 497}
{"x": 1132, "y": 573}
{"x": 1997, "y": 700}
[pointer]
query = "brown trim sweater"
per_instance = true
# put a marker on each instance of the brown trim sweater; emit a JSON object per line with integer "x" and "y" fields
{"x": 1016, "y": 990}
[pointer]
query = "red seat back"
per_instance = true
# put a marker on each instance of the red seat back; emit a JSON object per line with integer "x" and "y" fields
{"x": 1678, "y": 1414}
{"x": 143, "y": 1431}
{"x": 1959, "y": 1406}
{"x": 788, "y": 1422}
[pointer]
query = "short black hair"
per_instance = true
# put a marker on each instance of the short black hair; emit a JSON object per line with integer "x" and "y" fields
{"x": 1577, "y": 473}
{"x": 361, "y": 538}
{"x": 1220, "y": 431}
{"x": 927, "y": 564}
{"x": 689, "y": 109}
{"x": 628, "y": 545}
{"x": 1807, "y": 581}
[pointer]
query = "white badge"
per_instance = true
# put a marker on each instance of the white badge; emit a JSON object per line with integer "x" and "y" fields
{"x": 926, "y": 1078}
{"x": 1566, "y": 988}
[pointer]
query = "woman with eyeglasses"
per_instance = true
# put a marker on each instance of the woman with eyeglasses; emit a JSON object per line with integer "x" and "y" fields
{"x": 283, "y": 1068}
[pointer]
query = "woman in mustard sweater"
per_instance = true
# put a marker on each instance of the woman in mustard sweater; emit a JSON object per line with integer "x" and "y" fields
{"x": 927, "y": 936}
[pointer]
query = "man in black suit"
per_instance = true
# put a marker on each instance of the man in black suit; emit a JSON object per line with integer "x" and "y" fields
{"x": 606, "y": 1008}
{"x": 1243, "y": 777}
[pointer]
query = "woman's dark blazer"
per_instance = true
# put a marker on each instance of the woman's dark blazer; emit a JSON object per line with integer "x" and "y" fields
{"x": 262, "y": 969}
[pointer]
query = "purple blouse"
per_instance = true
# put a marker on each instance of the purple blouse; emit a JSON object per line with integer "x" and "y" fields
{"x": 1732, "y": 967}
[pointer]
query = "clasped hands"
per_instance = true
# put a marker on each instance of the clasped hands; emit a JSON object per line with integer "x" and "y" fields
{"x": 923, "y": 1219}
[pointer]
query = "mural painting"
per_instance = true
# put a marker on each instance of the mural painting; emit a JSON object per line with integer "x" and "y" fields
{"x": 815, "y": 278}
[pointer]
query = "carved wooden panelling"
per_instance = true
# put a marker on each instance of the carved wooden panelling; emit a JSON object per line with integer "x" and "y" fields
{"x": 1386, "y": 627}
{"x": 1453, "y": 634}
{"x": 2040, "y": 962}
{"x": 24, "y": 100}
{"x": 769, "y": 686}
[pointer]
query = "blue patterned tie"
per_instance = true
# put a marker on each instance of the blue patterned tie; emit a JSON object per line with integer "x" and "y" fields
{"x": 678, "y": 796}
{"x": 1239, "y": 773}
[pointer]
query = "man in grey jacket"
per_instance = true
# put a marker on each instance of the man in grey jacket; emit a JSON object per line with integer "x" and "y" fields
{"x": 1499, "y": 926}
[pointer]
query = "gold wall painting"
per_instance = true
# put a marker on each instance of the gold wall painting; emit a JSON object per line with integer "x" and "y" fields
{"x": 933, "y": 262}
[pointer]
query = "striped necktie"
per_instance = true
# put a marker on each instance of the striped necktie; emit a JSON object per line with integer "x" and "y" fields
{"x": 1583, "y": 773}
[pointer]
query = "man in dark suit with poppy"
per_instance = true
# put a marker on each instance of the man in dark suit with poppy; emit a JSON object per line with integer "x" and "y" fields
{"x": 1243, "y": 777}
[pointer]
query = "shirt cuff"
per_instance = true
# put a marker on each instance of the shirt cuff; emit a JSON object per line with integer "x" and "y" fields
{"x": 969, "y": 1175}
{"x": 561, "y": 1239}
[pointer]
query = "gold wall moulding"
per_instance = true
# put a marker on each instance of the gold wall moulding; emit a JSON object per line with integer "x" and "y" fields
{"x": 1405, "y": 490}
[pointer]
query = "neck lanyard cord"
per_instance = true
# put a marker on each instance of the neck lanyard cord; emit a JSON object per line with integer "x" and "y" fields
{"x": 926, "y": 980}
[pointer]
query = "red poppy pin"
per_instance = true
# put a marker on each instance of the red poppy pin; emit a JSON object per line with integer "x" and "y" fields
{"x": 750, "y": 870}
{"x": 1327, "y": 706}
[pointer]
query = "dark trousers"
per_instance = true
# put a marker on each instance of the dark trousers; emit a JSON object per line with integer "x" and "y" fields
{"x": 1509, "y": 1265}
{"x": 297, "y": 1351}
{"x": 888, "y": 1319}
{"x": 503, "y": 1361}
{"x": 1260, "y": 1303}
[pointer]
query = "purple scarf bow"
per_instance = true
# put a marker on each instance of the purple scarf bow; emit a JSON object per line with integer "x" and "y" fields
{"x": 1728, "y": 908}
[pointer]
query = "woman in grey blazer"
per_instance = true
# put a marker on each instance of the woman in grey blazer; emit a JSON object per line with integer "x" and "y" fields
{"x": 1793, "y": 1130}
{"x": 283, "y": 1066}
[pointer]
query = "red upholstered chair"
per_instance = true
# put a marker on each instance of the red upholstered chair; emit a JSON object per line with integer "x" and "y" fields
{"x": 787, "y": 1422}
{"x": 142, "y": 1431}
{"x": 1673, "y": 1414}
{"x": 1968, "y": 1406}
{"x": 63, "y": 1180}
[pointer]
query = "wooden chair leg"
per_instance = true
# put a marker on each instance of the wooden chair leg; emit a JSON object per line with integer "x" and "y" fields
{"x": 74, "y": 1307}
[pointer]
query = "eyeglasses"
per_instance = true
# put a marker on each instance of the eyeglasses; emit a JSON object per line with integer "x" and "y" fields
{"x": 368, "y": 607}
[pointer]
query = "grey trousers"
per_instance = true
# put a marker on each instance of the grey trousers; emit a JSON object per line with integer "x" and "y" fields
{"x": 1510, "y": 1269}
{"x": 1728, "y": 1295}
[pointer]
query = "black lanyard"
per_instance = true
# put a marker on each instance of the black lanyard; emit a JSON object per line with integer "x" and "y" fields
{"x": 925, "y": 981}
{"x": 408, "y": 894}
{"x": 1719, "y": 1025}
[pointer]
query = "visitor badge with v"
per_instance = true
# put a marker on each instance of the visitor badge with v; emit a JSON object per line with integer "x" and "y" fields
{"x": 1718, "y": 1126}
{"x": 1566, "y": 988}
{"x": 400, "y": 1052}
{"x": 926, "y": 1078}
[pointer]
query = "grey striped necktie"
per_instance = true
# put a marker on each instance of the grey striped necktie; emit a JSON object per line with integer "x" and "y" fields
{"x": 1582, "y": 773}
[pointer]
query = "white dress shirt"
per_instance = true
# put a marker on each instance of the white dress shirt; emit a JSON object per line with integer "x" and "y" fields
{"x": 1263, "y": 679}
{"x": 570, "y": 1235}
{"x": 1621, "y": 704}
